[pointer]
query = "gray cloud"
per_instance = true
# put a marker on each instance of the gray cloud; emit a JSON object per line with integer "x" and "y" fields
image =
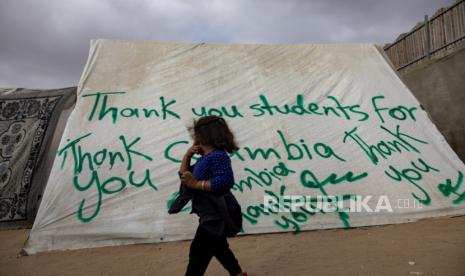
{"x": 44, "y": 44}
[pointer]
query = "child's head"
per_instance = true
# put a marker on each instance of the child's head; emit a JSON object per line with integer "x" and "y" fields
{"x": 213, "y": 131}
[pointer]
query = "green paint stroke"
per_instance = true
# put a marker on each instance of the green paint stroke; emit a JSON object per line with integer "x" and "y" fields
{"x": 263, "y": 177}
{"x": 309, "y": 180}
{"x": 109, "y": 186}
{"x": 399, "y": 113}
{"x": 91, "y": 162}
{"x": 300, "y": 108}
{"x": 447, "y": 189}
{"x": 413, "y": 175}
{"x": 222, "y": 111}
{"x": 292, "y": 220}
{"x": 384, "y": 149}
{"x": 94, "y": 160}
{"x": 292, "y": 151}
{"x": 101, "y": 108}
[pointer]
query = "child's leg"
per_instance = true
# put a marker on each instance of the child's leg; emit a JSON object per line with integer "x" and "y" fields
{"x": 226, "y": 257}
{"x": 200, "y": 253}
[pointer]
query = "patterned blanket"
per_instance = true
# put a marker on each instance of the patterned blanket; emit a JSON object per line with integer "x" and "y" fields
{"x": 31, "y": 124}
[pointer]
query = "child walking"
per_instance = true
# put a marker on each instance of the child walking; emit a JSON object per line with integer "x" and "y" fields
{"x": 207, "y": 184}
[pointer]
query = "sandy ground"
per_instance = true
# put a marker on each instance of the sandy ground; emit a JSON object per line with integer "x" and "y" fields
{"x": 432, "y": 246}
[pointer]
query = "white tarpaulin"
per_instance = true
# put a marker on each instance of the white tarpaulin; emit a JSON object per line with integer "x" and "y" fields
{"x": 320, "y": 122}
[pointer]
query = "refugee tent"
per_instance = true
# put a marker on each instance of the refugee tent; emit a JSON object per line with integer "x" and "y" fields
{"x": 329, "y": 128}
{"x": 31, "y": 124}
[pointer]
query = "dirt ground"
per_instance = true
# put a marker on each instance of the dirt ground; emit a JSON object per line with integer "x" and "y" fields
{"x": 426, "y": 247}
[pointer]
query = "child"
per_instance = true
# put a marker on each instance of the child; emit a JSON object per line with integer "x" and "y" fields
{"x": 207, "y": 184}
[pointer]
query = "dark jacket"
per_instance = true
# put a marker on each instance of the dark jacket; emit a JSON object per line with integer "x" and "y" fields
{"x": 220, "y": 214}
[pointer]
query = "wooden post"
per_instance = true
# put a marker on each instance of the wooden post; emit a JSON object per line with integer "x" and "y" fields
{"x": 427, "y": 38}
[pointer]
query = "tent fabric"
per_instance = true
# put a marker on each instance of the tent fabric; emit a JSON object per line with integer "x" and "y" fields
{"x": 312, "y": 121}
{"x": 31, "y": 123}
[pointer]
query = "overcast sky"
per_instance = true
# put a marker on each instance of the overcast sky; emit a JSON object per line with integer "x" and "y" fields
{"x": 44, "y": 43}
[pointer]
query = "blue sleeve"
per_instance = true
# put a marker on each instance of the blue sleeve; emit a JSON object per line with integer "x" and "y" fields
{"x": 222, "y": 177}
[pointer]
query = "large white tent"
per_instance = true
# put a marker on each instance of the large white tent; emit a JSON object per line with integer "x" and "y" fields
{"x": 311, "y": 120}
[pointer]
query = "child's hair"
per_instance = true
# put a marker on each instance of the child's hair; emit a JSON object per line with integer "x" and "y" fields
{"x": 213, "y": 131}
